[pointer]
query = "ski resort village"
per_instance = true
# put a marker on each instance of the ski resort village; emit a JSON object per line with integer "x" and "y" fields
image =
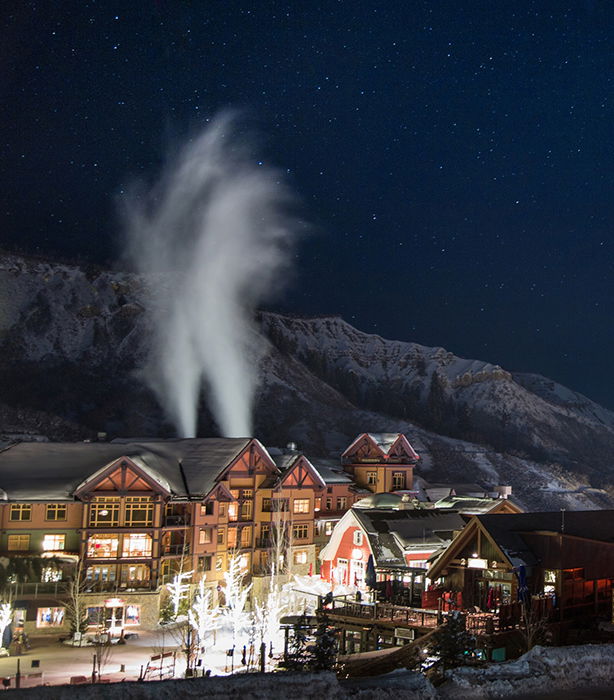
{"x": 154, "y": 559}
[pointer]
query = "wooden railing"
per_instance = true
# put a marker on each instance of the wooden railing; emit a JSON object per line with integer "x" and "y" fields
{"x": 397, "y": 614}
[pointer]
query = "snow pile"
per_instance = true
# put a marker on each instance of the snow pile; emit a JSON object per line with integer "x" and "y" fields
{"x": 541, "y": 670}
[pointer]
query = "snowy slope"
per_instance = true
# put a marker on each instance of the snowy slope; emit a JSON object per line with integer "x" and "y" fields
{"x": 72, "y": 342}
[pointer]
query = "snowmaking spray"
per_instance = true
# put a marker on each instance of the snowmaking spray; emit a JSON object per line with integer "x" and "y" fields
{"x": 214, "y": 236}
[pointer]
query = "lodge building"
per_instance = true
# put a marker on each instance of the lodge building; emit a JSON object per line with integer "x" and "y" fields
{"x": 132, "y": 513}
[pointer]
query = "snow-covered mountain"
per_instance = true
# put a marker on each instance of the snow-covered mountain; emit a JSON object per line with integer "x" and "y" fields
{"x": 72, "y": 341}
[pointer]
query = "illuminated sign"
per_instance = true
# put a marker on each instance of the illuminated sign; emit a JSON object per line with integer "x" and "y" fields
{"x": 476, "y": 563}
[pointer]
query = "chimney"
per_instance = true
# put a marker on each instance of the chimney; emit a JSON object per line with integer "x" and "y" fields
{"x": 503, "y": 491}
{"x": 292, "y": 446}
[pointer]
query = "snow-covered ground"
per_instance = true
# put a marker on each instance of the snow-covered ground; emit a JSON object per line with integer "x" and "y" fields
{"x": 541, "y": 670}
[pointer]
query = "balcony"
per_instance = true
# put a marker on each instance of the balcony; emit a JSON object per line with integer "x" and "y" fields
{"x": 175, "y": 550}
{"x": 118, "y": 586}
{"x": 17, "y": 590}
{"x": 264, "y": 542}
{"x": 177, "y": 520}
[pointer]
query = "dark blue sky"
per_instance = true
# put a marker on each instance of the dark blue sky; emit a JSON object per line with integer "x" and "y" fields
{"x": 455, "y": 157}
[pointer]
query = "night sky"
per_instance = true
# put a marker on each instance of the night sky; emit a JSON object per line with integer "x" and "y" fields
{"x": 454, "y": 158}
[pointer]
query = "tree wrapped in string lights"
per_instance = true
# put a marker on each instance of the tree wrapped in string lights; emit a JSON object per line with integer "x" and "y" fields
{"x": 236, "y": 594}
{"x": 6, "y": 614}
{"x": 203, "y": 616}
{"x": 178, "y": 590}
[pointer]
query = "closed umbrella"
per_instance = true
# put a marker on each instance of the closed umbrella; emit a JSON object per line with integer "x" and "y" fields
{"x": 370, "y": 577}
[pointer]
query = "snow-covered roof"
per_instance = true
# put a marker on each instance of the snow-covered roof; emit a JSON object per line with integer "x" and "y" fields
{"x": 53, "y": 470}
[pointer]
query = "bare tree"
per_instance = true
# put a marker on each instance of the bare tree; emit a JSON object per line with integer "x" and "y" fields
{"x": 533, "y": 624}
{"x": 75, "y": 602}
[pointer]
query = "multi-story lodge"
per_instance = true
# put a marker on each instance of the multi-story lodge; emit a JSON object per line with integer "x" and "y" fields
{"x": 132, "y": 513}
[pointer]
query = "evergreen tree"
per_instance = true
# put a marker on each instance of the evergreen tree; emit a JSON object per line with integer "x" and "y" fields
{"x": 325, "y": 650}
{"x": 452, "y": 642}
{"x": 299, "y": 657}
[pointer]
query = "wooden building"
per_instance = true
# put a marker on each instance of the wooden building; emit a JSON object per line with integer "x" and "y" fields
{"x": 566, "y": 557}
{"x": 135, "y": 512}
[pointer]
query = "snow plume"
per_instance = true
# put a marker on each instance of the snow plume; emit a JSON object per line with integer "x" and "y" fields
{"x": 216, "y": 234}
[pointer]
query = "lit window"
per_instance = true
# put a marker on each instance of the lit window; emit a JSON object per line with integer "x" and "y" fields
{"x": 220, "y": 535}
{"x": 104, "y": 512}
{"x": 21, "y": 511}
{"x": 329, "y": 503}
{"x": 342, "y": 503}
{"x": 328, "y": 527}
{"x": 318, "y": 503}
{"x": 232, "y": 537}
{"x": 132, "y": 615}
{"x": 357, "y": 537}
{"x": 204, "y": 536}
{"x": 300, "y": 531}
{"x": 55, "y": 511}
{"x": 245, "y": 511}
{"x": 18, "y": 543}
{"x": 300, "y": 557}
{"x": 100, "y": 573}
{"x": 233, "y": 512}
{"x": 301, "y": 505}
{"x": 134, "y": 573}
{"x": 50, "y": 617}
{"x": 53, "y": 543}
{"x": 102, "y": 546}
{"x": 246, "y": 536}
{"x": 136, "y": 545}
{"x": 244, "y": 562}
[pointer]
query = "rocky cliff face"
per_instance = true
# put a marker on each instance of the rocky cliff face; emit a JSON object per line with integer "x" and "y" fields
{"x": 72, "y": 342}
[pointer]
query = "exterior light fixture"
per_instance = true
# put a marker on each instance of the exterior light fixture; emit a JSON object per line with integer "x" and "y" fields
{"x": 104, "y": 511}
{"x": 357, "y": 553}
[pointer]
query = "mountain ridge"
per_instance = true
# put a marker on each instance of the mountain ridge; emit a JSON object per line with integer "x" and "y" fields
{"x": 73, "y": 343}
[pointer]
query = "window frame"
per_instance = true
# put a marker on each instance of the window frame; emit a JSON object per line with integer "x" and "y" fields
{"x": 56, "y": 508}
{"x": 300, "y": 528}
{"x": 59, "y": 536}
{"x": 19, "y": 537}
{"x": 301, "y": 506}
{"x": 20, "y": 509}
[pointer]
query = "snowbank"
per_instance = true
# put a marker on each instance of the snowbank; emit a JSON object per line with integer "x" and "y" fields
{"x": 252, "y": 686}
{"x": 541, "y": 670}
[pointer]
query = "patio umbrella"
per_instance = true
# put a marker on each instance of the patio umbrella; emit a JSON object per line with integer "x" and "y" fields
{"x": 523, "y": 589}
{"x": 370, "y": 577}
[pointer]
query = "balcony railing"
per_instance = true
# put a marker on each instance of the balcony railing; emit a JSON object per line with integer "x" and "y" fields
{"x": 36, "y": 589}
{"x": 173, "y": 550}
{"x": 176, "y": 520}
{"x": 118, "y": 586}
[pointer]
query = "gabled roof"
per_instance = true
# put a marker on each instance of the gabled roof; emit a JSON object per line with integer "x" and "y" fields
{"x": 589, "y": 524}
{"x": 384, "y": 444}
{"x": 474, "y": 506}
{"x": 391, "y": 533}
{"x": 531, "y": 538}
{"x": 53, "y": 470}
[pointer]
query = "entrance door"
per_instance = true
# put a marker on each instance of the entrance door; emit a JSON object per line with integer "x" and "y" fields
{"x": 114, "y": 619}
